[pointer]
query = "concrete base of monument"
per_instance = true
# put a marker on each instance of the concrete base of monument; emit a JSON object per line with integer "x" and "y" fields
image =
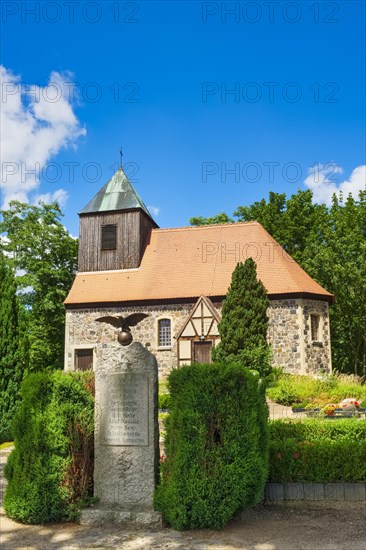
{"x": 134, "y": 519}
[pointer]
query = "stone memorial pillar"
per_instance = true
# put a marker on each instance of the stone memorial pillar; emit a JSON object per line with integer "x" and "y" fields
{"x": 126, "y": 437}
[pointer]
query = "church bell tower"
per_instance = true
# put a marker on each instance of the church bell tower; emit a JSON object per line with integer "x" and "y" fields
{"x": 115, "y": 227}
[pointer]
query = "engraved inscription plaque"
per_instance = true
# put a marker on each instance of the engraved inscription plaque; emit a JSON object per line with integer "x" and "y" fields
{"x": 125, "y": 410}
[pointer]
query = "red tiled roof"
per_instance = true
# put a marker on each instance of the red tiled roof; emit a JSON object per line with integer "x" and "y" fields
{"x": 190, "y": 261}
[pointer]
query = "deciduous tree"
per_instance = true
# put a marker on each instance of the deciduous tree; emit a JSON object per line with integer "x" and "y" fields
{"x": 44, "y": 254}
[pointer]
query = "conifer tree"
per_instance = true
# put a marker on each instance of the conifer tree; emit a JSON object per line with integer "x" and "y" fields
{"x": 244, "y": 324}
{"x": 13, "y": 349}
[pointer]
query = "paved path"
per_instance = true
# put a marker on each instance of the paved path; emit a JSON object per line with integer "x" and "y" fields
{"x": 266, "y": 528}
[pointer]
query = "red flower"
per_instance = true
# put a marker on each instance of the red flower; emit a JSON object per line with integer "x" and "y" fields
{"x": 296, "y": 455}
{"x": 162, "y": 458}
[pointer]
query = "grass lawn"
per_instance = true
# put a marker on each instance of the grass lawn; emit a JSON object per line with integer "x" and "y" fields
{"x": 296, "y": 389}
{"x": 290, "y": 389}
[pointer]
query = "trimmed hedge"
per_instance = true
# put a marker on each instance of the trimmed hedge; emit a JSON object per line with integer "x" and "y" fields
{"x": 318, "y": 451}
{"x": 216, "y": 445}
{"x": 49, "y": 472}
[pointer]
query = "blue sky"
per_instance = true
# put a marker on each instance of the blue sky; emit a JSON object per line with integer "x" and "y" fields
{"x": 154, "y": 77}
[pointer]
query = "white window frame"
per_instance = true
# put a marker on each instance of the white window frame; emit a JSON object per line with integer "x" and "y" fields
{"x": 168, "y": 346}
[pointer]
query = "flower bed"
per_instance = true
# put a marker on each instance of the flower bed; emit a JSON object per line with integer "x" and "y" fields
{"x": 348, "y": 408}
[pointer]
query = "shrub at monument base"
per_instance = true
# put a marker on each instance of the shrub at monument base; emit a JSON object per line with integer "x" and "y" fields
{"x": 318, "y": 451}
{"x": 49, "y": 472}
{"x": 216, "y": 445}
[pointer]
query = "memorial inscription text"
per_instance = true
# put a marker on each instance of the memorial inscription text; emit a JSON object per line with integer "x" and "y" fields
{"x": 124, "y": 405}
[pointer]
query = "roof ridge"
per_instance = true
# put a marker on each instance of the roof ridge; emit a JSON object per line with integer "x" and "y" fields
{"x": 206, "y": 226}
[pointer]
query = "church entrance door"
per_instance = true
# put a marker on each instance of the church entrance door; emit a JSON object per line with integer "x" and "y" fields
{"x": 202, "y": 352}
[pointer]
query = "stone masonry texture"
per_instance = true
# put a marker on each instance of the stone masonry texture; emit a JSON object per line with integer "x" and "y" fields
{"x": 289, "y": 333}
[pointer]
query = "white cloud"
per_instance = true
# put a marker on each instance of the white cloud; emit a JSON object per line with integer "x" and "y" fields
{"x": 36, "y": 122}
{"x": 154, "y": 210}
{"x": 323, "y": 180}
{"x": 356, "y": 182}
{"x": 60, "y": 195}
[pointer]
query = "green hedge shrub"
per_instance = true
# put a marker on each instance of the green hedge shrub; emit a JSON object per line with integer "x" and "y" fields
{"x": 216, "y": 445}
{"x": 318, "y": 451}
{"x": 49, "y": 472}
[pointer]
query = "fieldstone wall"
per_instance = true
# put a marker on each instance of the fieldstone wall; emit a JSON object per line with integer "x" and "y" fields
{"x": 82, "y": 331}
{"x": 284, "y": 334}
{"x": 317, "y": 354}
{"x": 289, "y": 333}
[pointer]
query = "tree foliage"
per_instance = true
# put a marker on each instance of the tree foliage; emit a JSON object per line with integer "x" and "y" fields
{"x": 244, "y": 324}
{"x": 13, "y": 350}
{"x": 340, "y": 266}
{"x": 44, "y": 254}
{"x": 219, "y": 218}
{"x": 330, "y": 244}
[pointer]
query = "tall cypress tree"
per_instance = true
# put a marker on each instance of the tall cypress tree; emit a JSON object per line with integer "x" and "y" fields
{"x": 244, "y": 324}
{"x": 13, "y": 349}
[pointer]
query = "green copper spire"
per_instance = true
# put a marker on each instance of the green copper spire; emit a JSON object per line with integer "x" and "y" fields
{"x": 117, "y": 194}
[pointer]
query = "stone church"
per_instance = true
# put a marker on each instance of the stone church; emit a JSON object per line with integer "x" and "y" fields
{"x": 179, "y": 277}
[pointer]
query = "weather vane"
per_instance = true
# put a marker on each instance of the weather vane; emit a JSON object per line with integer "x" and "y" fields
{"x": 121, "y": 155}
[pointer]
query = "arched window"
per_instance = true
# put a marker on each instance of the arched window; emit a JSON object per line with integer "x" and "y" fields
{"x": 164, "y": 333}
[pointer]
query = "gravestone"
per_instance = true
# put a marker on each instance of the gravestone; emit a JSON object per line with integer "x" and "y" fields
{"x": 126, "y": 438}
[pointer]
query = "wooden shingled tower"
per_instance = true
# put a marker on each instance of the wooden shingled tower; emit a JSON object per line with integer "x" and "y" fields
{"x": 115, "y": 227}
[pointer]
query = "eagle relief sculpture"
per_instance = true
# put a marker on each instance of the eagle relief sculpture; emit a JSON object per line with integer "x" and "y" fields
{"x": 124, "y": 336}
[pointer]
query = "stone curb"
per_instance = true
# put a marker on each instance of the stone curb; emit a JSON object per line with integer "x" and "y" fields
{"x": 277, "y": 492}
